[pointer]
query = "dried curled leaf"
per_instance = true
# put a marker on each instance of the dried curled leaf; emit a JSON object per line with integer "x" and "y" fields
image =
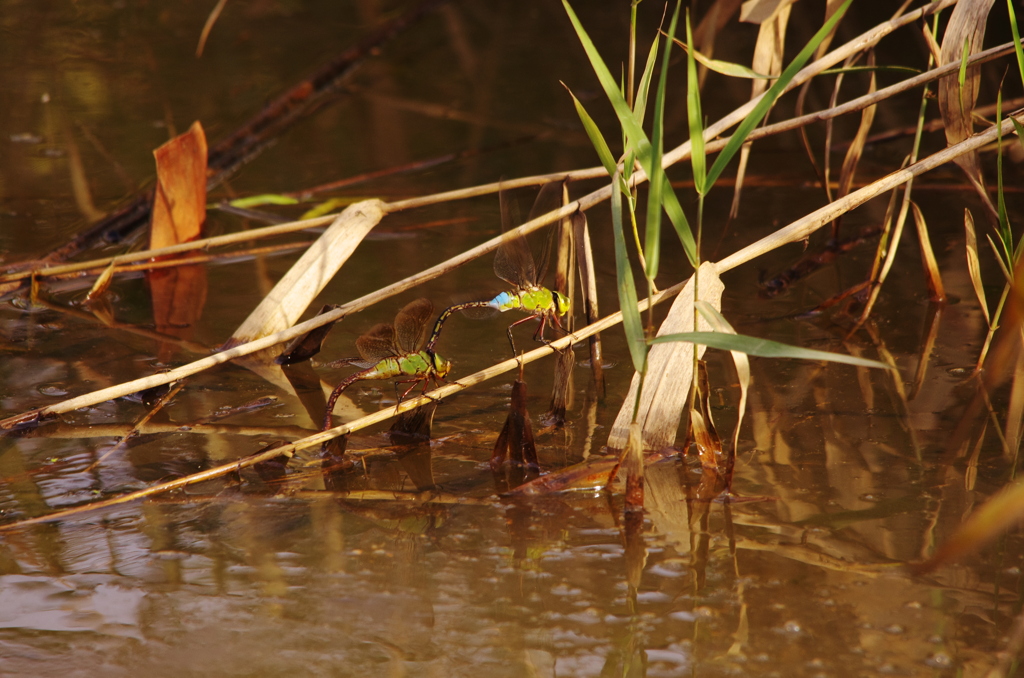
{"x": 974, "y": 265}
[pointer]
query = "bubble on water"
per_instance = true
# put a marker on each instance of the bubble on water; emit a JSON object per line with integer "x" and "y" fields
{"x": 53, "y": 390}
{"x": 792, "y": 627}
{"x": 939, "y": 660}
{"x": 682, "y": 615}
{"x": 565, "y": 590}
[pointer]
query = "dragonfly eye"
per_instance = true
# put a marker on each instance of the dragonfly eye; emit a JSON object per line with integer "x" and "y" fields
{"x": 441, "y": 365}
{"x": 561, "y": 303}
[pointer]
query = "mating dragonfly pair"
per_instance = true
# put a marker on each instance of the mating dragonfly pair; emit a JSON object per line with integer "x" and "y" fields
{"x": 402, "y": 350}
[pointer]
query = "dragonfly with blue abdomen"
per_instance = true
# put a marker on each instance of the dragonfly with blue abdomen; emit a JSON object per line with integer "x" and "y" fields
{"x": 514, "y": 263}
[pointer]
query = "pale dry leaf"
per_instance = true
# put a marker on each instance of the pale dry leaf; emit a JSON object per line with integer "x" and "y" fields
{"x": 759, "y": 11}
{"x": 740, "y": 360}
{"x": 99, "y": 288}
{"x": 669, "y": 371}
{"x": 768, "y": 53}
{"x": 856, "y": 148}
{"x": 931, "y": 266}
{"x": 974, "y": 265}
{"x": 966, "y": 24}
{"x": 292, "y": 294}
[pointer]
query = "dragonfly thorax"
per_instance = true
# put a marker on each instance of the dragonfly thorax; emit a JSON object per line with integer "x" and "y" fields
{"x": 532, "y": 300}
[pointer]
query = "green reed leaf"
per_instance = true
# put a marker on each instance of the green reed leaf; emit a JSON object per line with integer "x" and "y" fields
{"x": 642, "y": 90}
{"x": 728, "y": 68}
{"x": 263, "y": 199}
{"x": 594, "y": 133}
{"x": 675, "y": 213}
{"x": 755, "y": 117}
{"x": 1016, "y": 44}
{"x": 656, "y": 174}
{"x": 631, "y": 322}
{"x": 636, "y": 137}
{"x": 765, "y": 348}
{"x": 630, "y": 125}
{"x": 694, "y": 116}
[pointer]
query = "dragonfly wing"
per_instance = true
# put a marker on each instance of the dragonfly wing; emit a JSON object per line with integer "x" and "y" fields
{"x": 412, "y": 324}
{"x": 549, "y": 199}
{"x": 377, "y": 344}
{"x": 513, "y": 261}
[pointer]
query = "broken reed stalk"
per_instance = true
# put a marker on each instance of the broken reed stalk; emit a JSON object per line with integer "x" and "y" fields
{"x": 797, "y": 230}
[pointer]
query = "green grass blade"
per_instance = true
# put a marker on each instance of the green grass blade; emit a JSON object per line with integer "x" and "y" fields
{"x": 694, "y": 115}
{"x": 675, "y": 213}
{"x": 872, "y": 69}
{"x": 1002, "y": 256}
{"x": 733, "y": 70}
{"x": 263, "y": 199}
{"x": 652, "y": 230}
{"x": 1005, "y": 233}
{"x": 1020, "y": 131}
{"x": 1016, "y": 42}
{"x": 596, "y": 138}
{"x": 640, "y": 105}
{"x": 764, "y": 105}
{"x": 630, "y": 125}
{"x": 636, "y": 138}
{"x": 765, "y": 348}
{"x": 627, "y": 288}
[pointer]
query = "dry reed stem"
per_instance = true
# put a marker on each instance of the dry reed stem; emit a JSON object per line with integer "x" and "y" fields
{"x": 803, "y": 227}
{"x": 215, "y": 241}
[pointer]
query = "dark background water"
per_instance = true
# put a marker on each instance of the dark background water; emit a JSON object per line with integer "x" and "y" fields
{"x": 859, "y": 471}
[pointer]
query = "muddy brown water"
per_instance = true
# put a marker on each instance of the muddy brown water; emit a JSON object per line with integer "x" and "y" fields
{"x": 856, "y": 473}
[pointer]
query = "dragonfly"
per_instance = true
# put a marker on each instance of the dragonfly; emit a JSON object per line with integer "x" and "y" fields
{"x": 396, "y": 351}
{"x": 514, "y": 263}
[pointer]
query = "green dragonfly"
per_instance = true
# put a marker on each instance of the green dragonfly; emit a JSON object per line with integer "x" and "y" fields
{"x": 514, "y": 263}
{"x": 396, "y": 351}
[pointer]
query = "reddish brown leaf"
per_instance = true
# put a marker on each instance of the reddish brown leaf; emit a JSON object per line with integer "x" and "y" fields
{"x": 179, "y": 208}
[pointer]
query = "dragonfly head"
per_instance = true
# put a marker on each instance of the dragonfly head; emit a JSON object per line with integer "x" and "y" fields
{"x": 442, "y": 366}
{"x": 561, "y": 303}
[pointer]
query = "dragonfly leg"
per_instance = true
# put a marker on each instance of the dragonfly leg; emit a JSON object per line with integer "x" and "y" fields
{"x": 414, "y": 382}
{"x": 406, "y": 391}
{"x": 539, "y": 336}
{"x": 520, "y": 322}
{"x": 330, "y": 407}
